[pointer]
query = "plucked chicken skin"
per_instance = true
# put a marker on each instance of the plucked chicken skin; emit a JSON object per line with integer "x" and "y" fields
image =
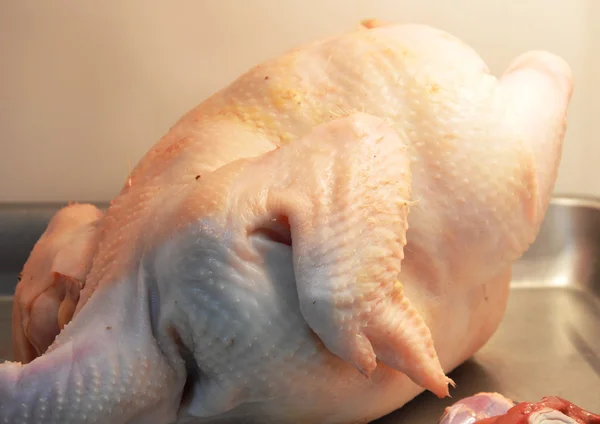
{"x": 319, "y": 242}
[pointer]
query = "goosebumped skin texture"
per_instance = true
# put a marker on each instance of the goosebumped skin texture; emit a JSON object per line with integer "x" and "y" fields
{"x": 263, "y": 251}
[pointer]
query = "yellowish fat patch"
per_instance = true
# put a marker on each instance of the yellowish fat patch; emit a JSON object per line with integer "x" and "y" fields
{"x": 371, "y": 23}
{"x": 398, "y": 289}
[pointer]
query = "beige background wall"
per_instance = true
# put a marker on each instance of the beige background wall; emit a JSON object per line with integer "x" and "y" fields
{"x": 86, "y": 87}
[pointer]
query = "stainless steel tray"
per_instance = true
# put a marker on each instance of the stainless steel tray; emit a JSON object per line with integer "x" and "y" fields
{"x": 548, "y": 342}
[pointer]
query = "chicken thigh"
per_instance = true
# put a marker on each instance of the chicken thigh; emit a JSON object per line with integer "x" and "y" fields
{"x": 320, "y": 241}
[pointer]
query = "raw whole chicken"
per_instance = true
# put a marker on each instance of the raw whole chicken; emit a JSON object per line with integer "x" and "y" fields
{"x": 319, "y": 242}
{"x": 493, "y": 408}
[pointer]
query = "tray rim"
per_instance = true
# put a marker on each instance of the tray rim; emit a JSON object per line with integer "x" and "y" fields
{"x": 566, "y": 199}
